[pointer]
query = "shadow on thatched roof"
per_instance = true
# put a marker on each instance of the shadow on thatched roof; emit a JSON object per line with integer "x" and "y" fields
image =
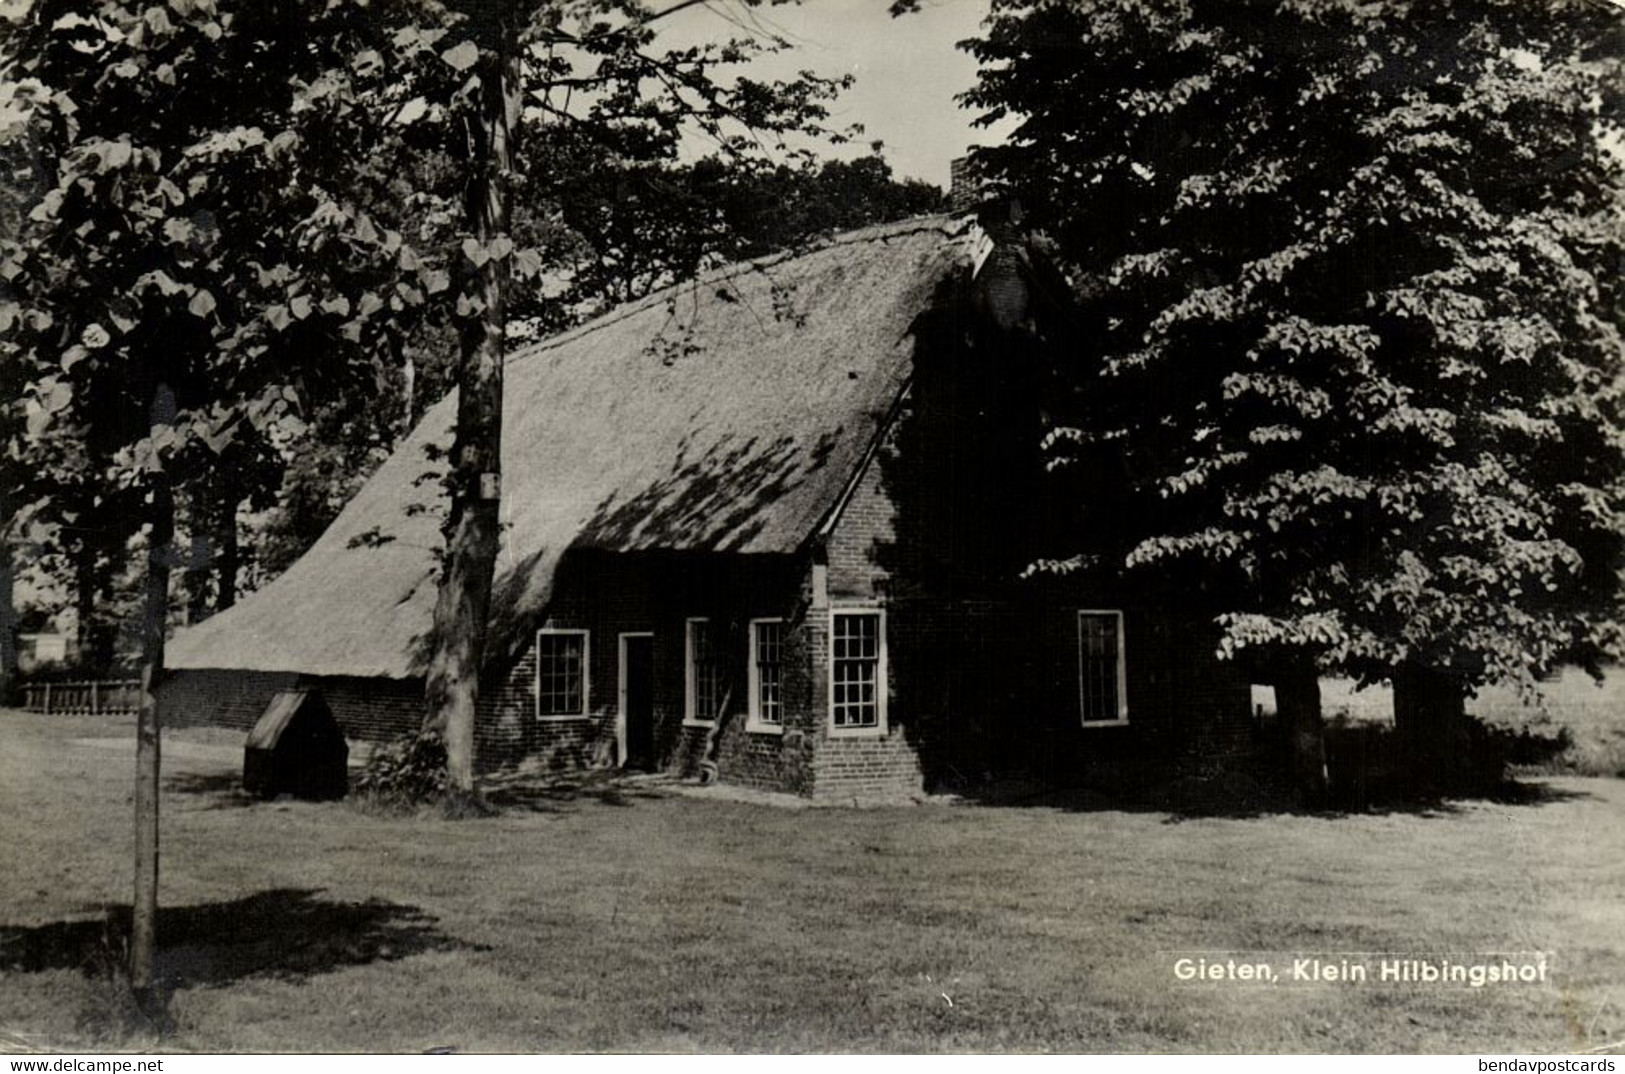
{"x": 725, "y": 414}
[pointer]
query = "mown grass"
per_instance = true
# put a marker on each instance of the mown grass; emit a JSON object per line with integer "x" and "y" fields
{"x": 635, "y": 919}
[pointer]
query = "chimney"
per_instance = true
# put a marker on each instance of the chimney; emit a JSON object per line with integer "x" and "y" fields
{"x": 964, "y": 186}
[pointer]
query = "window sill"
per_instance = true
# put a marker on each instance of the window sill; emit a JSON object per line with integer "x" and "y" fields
{"x": 1088, "y": 724}
{"x": 689, "y": 721}
{"x": 858, "y": 732}
{"x": 757, "y": 727}
{"x": 565, "y": 717}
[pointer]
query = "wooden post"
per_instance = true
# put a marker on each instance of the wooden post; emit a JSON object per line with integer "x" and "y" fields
{"x": 93, "y": 710}
{"x": 46, "y": 708}
{"x": 144, "y": 921}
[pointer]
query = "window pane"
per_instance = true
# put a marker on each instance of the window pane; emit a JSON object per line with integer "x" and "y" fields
{"x": 560, "y": 674}
{"x": 769, "y": 671}
{"x": 705, "y": 673}
{"x": 1097, "y": 668}
{"x": 855, "y": 652}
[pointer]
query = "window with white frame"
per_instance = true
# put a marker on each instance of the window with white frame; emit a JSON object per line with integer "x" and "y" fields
{"x": 704, "y": 677}
{"x": 561, "y": 673}
{"x": 857, "y": 699}
{"x": 766, "y": 674}
{"x": 1102, "y": 693}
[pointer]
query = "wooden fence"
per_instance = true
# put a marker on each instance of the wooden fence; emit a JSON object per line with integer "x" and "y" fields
{"x": 91, "y": 696}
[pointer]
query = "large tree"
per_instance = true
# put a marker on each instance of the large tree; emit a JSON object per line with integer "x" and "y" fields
{"x": 202, "y": 262}
{"x": 1348, "y": 351}
{"x": 594, "y": 75}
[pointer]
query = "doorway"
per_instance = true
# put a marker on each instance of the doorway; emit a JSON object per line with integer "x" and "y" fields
{"x": 636, "y": 722}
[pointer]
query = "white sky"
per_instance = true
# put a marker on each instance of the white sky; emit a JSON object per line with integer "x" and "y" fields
{"x": 907, "y": 68}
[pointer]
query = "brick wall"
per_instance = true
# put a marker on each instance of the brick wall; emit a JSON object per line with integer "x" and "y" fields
{"x": 371, "y": 709}
{"x": 508, "y": 731}
{"x": 220, "y": 698}
{"x": 857, "y": 765}
{"x": 984, "y": 668}
{"x": 366, "y": 709}
{"x": 657, "y": 594}
{"x": 858, "y": 549}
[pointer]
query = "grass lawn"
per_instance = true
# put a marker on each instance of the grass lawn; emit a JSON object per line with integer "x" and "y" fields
{"x": 638, "y": 919}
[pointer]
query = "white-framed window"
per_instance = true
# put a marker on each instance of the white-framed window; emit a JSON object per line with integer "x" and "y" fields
{"x": 1102, "y": 682}
{"x": 561, "y": 673}
{"x": 857, "y": 671}
{"x": 703, "y": 678}
{"x": 765, "y": 662}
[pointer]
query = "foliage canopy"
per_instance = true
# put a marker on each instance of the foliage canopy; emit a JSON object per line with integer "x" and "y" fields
{"x": 1350, "y": 317}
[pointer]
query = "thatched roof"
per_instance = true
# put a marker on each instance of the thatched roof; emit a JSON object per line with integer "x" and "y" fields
{"x": 725, "y": 415}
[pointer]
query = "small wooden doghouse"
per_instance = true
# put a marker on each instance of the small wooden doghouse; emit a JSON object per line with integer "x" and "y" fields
{"x": 296, "y": 748}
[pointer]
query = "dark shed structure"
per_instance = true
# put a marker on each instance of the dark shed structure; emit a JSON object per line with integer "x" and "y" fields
{"x": 296, "y": 748}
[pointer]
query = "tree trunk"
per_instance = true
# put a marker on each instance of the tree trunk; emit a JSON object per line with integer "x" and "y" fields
{"x": 1297, "y": 699}
{"x": 144, "y": 918}
{"x": 409, "y": 389}
{"x": 200, "y": 561}
{"x": 228, "y": 553}
{"x": 8, "y": 615}
{"x": 1430, "y": 722}
{"x": 463, "y": 606}
{"x": 94, "y": 635}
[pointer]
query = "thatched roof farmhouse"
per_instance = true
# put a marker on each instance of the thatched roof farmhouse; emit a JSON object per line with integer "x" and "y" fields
{"x": 757, "y": 515}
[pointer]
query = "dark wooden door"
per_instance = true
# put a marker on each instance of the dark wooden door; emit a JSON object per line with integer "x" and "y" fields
{"x": 638, "y": 675}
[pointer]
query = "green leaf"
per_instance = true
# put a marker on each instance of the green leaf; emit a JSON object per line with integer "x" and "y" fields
{"x": 527, "y": 263}
{"x": 475, "y": 252}
{"x": 112, "y": 156}
{"x": 54, "y": 395}
{"x": 202, "y": 303}
{"x": 161, "y": 279}
{"x": 461, "y": 56}
{"x": 157, "y": 19}
{"x": 412, "y": 111}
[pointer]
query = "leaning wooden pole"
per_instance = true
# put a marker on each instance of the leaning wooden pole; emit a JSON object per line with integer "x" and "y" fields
{"x": 144, "y": 918}
{"x": 472, "y": 524}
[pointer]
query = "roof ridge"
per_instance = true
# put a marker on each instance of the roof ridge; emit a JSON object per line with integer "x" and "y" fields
{"x": 952, "y": 227}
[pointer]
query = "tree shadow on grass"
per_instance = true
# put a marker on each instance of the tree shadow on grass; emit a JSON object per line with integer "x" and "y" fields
{"x": 528, "y": 791}
{"x": 214, "y": 790}
{"x": 562, "y": 794}
{"x": 285, "y": 934}
{"x": 1241, "y": 793}
{"x": 1367, "y": 768}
